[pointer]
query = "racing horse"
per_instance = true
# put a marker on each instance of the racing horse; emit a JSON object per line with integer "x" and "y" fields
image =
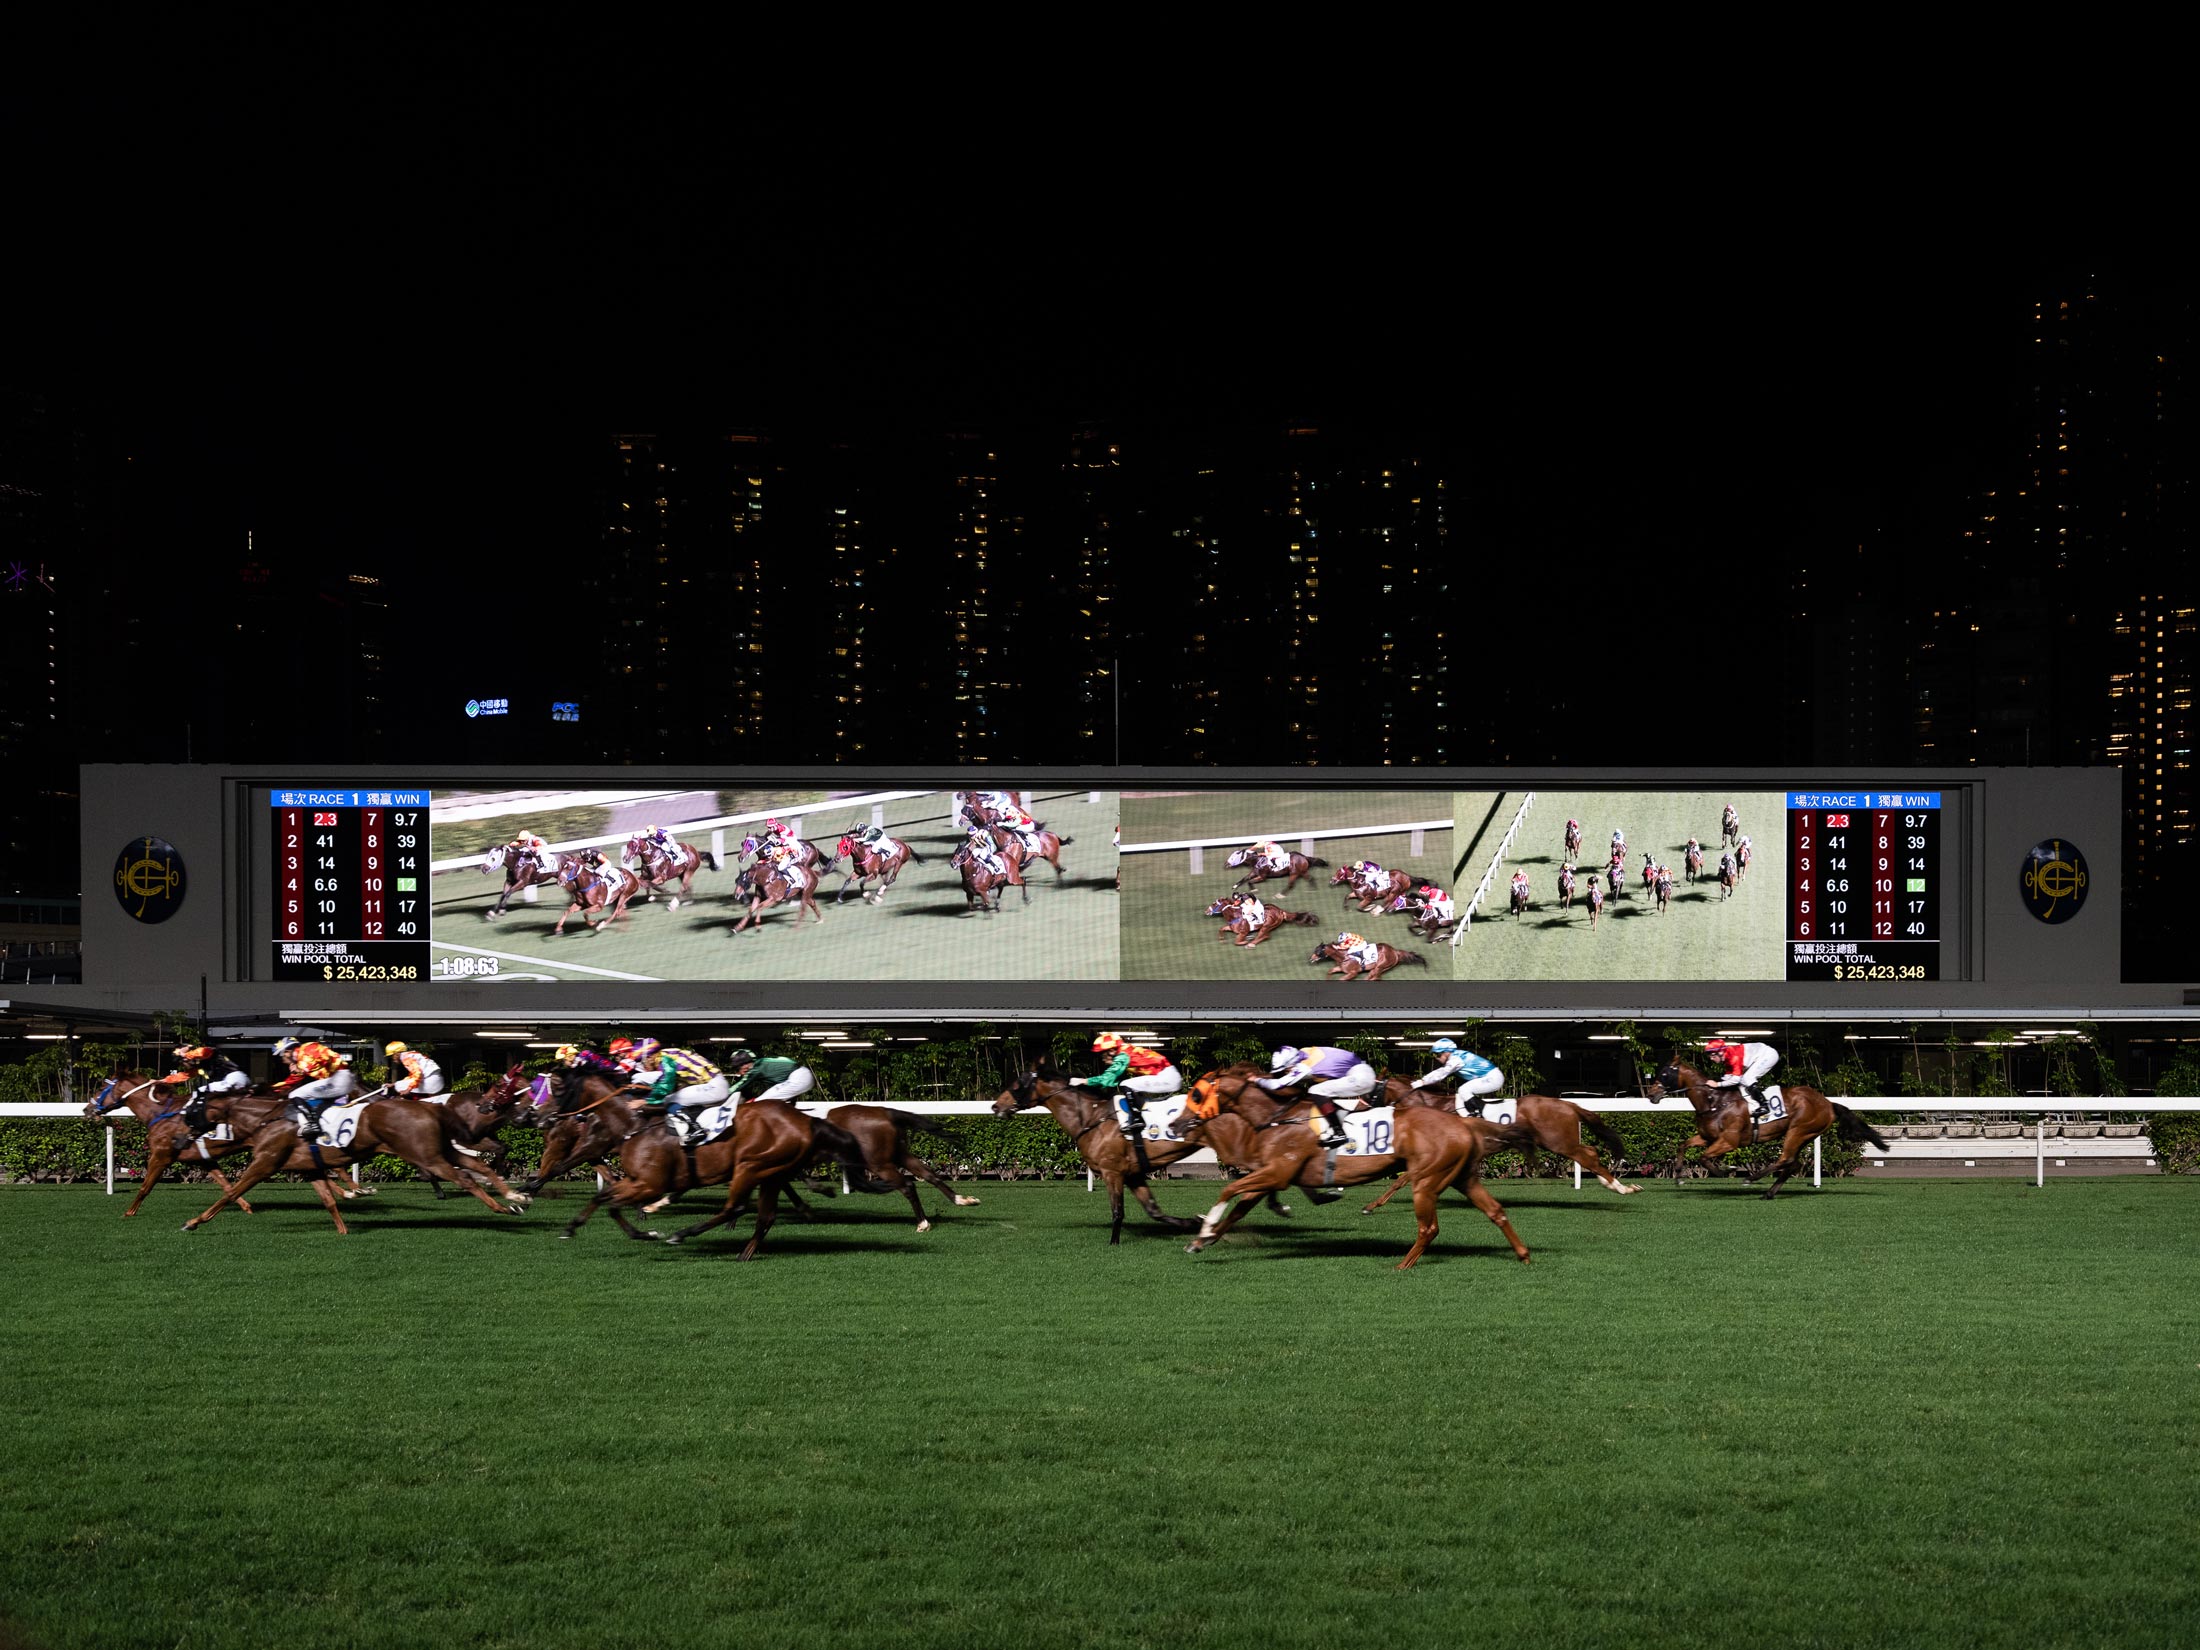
{"x": 979, "y": 880}
{"x": 167, "y": 1136}
{"x": 1357, "y": 967}
{"x": 1730, "y": 826}
{"x": 1596, "y": 901}
{"x": 1541, "y": 1122}
{"x": 1295, "y": 867}
{"x": 776, "y": 886}
{"x": 415, "y": 1130}
{"x": 1422, "y": 918}
{"x": 1573, "y": 839}
{"x": 1437, "y": 1149}
{"x": 1723, "y": 1120}
{"x": 1020, "y": 848}
{"x": 1743, "y": 854}
{"x": 522, "y": 869}
{"x": 656, "y": 867}
{"x": 1565, "y": 887}
{"x": 1519, "y": 899}
{"x": 1248, "y": 930}
{"x": 607, "y": 890}
{"x": 1663, "y": 889}
{"x": 1370, "y": 885}
{"x": 806, "y": 852}
{"x": 1692, "y": 859}
{"x": 1089, "y": 1121}
{"x": 866, "y": 860}
{"x": 1728, "y": 876}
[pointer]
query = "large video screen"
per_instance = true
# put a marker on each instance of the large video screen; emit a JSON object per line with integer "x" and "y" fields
{"x": 1343, "y": 888}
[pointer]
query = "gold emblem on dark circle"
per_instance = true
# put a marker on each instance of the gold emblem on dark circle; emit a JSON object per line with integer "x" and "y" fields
{"x": 147, "y": 878}
{"x": 2054, "y": 873}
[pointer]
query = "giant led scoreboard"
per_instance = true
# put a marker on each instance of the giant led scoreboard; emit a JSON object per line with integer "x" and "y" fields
{"x": 351, "y": 885}
{"x": 1864, "y": 885}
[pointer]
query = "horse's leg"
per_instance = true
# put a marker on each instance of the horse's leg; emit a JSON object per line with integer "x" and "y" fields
{"x": 1115, "y": 1205}
{"x": 1788, "y": 1163}
{"x": 328, "y": 1202}
{"x": 1387, "y": 1196}
{"x": 737, "y": 1191}
{"x": 1144, "y": 1194}
{"x": 222, "y": 1181}
{"x": 1482, "y": 1199}
{"x": 265, "y": 1161}
{"x": 912, "y": 1164}
{"x": 156, "y": 1164}
{"x": 1586, "y": 1155}
{"x": 767, "y": 1209}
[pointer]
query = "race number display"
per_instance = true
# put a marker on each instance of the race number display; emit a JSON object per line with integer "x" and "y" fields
{"x": 351, "y": 900}
{"x": 1864, "y": 883}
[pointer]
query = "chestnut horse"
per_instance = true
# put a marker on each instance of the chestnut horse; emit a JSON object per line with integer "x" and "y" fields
{"x": 978, "y": 882}
{"x": 414, "y": 1130}
{"x": 776, "y": 886}
{"x": 1372, "y": 887}
{"x": 1541, "y": 1122}
{"x": 1692, "y": 859}
{"x": 1565, "y": 887}
{"x": 522, "y": 869}
{"x": 1021, "y": 848}
{"x": 1437, "y": 1148}
{"x": 867, "y": 860}
{"x": 1350, "y": 967}
{"x": 1723, "y": 1120}
{"x": 1299, "y": 865}
{"x": 1573, "y": 839}
{"x": 656, "y": 867}
{"x": 1248, "y": 930}
{"x": 606, "y": 890}
{"x": 167, "y": 1136}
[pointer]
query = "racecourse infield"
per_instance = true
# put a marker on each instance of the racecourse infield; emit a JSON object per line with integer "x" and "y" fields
{"x": 924, "y": 929}
{"x": 1956, "y": 1413}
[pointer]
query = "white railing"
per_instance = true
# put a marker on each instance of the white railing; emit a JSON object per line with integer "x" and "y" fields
{"x": 1197, "y": 846}
{"x": 1497, "y": 863}
{"x": 545, "y": 802}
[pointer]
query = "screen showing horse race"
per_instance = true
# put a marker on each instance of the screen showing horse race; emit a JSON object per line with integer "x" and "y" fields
{"x": 1342, "y": 887}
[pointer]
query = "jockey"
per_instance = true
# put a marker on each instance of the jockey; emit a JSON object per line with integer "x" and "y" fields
{"x": 423, "y": 1077}
{"x": 773, "y": 1078}
{"x": 1619, "y": 843}
{"x": 1741, "y": 848}
{"x": 1520, "y": 885}
{"x": 1336, "y": 1074}
{"x": 1744, "y": 1066}
{"x": 985, "y": 850}
{"x": 1477, "y": 1077}
{"x": 1134, "y": 1070}
{"x": 1358, "y": 947}
{"x": 217, "y": 1074}
{"x": 1271, "y": 855}
{"x": 1252, "y": 910}
{"x": 662, "y": 840}
{"x": 625, "y": 1053}
{"x": 683, "y": 1079}
{"x": 527, "y": 845}
{"x": 318, "y": 1075}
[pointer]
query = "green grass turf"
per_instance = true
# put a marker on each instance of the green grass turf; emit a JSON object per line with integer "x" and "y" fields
{"x": 1166, "y": 934}
{"x": 1946, "y": 1413}
{"x": 1700, "y": 938}
{"x": 923, "y": 930}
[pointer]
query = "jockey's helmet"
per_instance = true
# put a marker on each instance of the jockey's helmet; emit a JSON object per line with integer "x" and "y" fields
{"x": 1443, "y": 1045}
{"x": 285, "y": 1045}
{"x": 1285, "y": 1057}
{"x": 1107, "y": 1042}
{"x": 568, "y": 1053}
{"x": 393, "y": 1048}
{"x": 1717, "y": 1045}
{"x": 622, "y": 1046}
{"x": 192, "y": 1052}
{"x": 742, "y": 1057}
{"x": 644, "y": 1048}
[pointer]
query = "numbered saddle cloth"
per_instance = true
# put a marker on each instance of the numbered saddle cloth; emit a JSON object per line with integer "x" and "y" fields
{"x": 716, "y": 1121}
{"x": 1161, "y": 1116}
{"x": 1367, "y": 953}
{"x": 1775, "y": 1103}
{"x": 340, "y": 1123}
{"x": 1367, "y": 1133}
{"x": 219, "y": 1134}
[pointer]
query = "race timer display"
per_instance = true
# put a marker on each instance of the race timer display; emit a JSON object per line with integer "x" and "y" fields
{"x": 351, "y": 885}
{"x": 1864, "y": 885}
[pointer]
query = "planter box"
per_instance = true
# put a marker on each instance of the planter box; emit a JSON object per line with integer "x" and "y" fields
{"x": 1925, "y": 1131}
{"x": 2001, "y": 1131}
{"x": 1894, "y": 1131}
{"x": 2123, "y": 1131}
{"x": 1962, "y": 1131}
{"x": 2079, "y": 1131}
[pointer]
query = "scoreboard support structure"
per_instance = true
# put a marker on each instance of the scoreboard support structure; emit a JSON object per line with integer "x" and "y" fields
{"x": 351, "y": 885}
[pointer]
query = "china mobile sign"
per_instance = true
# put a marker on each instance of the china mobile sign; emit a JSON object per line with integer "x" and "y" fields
{"x": 488, "y": 707}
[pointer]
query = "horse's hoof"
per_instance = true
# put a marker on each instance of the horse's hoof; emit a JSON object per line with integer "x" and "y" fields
{"x": 674, "y": 1239}
{"x": 189, "y": 1224}
{"x": 924, "y": 1226}
{"x": 565, "y": 1237}
{"x": 962, "y": 1202}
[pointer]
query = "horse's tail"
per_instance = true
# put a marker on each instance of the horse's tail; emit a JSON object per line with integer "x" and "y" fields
{"x": 1306, "y": 917}
{"x": 825, "y": 1140}
{"x": 710, "y": 859}
{"x": 1852, "y": 1128}
{"x": 1412, "y": 956}
{"x": 915, "y": 858}
{"x": 1606, "y": 1135}
{"x": 909, "y": 1120}
{"x": 1311, "y": 860}
{"x": 1065, "y": 841}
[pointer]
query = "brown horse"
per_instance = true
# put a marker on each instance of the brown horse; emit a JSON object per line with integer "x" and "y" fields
{"x": 1369, "y": 885}
{"x": 657, "y": 867}
{"x": 1730, "y": 825}
{"x": 606, "y": 890}
{"x": 1089, "y": 1121}
{"x": 1565, "y": 887}
{"x": 869, "y": 859}
{"x": 1540, "y": 1122}
{"x": 1297, "y": 866}
{"x": 1520, "y": 898}
{"x": 414, "y": 1130}
{"x": 1692, "y": 859}
{"x": 1025, "y": 848}
{"x": 978, "y": 881}
{"x": 1436, "y": 1148}
{"x": 760, "y": 889}
{"x": 1723, "y": 1120}
{"x": 1573, "y": 839}
{"x": 1728, "y": 876}
{"x": 1350, "y": 967}
{"x": 1663, "y": 888}
{"x": 522, "y": 869}
{"x": 167, "y": 1135}
{"x": 1250, "y": 927}
{"x": 1596, "y": 901}
{"x": 1743, "y": 854}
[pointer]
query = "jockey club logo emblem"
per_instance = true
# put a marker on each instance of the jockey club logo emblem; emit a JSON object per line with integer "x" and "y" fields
{"x": 2053, "y": 880}
{"x": 149, "y": 879}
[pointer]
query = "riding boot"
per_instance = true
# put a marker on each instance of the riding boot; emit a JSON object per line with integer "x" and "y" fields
{"x": 1757, "y": 1107}
{"x": 1133, "y": 1121}
{"x": 308, "y": 1118}
{"x": 1333, "y": 1127}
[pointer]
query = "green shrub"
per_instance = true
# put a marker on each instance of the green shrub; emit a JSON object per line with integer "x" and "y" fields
{"x": 2176, "y": 1139}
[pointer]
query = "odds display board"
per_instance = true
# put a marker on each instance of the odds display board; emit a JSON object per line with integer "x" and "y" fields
{"x": 1342, "y": 890}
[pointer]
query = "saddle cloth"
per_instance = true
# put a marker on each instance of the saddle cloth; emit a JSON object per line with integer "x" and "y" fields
{"x": 1161, "y": 1116}
{"x": 717, "y": 1120}
{"x": 219, "y": 1134}
{"x": 1775, "y": 1104}
{"x": 340, "y": 1123}
{"x": 1367, "y": 1133}
{"x": 1367, "y": 954}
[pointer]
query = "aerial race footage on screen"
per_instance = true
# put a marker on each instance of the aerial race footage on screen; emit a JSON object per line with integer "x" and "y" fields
{"x": 1340, "y": 888}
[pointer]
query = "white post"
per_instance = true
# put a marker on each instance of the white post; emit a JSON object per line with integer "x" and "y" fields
{"x": 1088, "y": 1180}
{"x": 1092, "y": 799}
{"x": 530, "y": 894}
{"x": 1817, "y": 1160}
{"x": 1414, "y": 850}
{"x": 1577, "y": 1177}
{"x": 846, "y": 1190}
{"x": 355, "y": 1174}
{"x": 110, "y": 1162}
{"x": 718, "y": 844}
{"x": 601, "y": 1182}
{"x": 2039, "y": 1154}
{"x": 1306, "y": 846}
{"x": 1198, "y": 860}
{"x": 878, "y": 816}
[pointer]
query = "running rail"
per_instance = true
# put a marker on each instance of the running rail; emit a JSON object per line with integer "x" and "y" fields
{"x": 1305, "y": 840}
{"x": 1497, "y": 863}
